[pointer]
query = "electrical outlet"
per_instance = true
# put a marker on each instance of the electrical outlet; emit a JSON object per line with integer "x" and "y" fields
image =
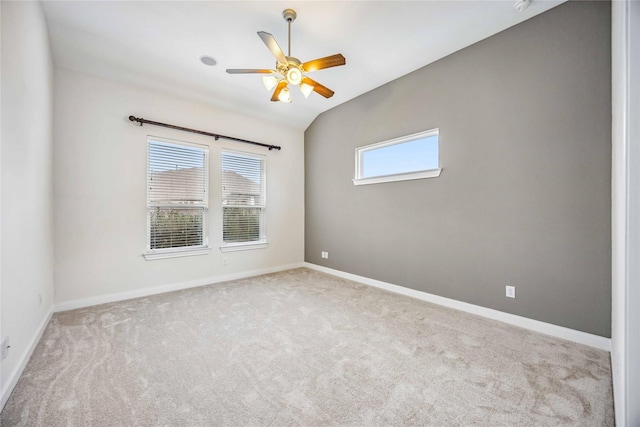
{"x": 225, "y": 261}
{"x": 40, "y": 298}
{"x": 510, "y": 291}
{"x": 5, "y": 347}
{"x": 325, "y": 255}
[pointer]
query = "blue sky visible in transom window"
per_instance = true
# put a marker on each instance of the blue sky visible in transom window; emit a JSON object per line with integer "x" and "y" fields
{"x": 405, "y": 157}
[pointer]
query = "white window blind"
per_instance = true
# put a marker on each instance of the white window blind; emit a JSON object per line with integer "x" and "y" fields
{"x": 177, "y": 195}
{"x": 243, "y": 198}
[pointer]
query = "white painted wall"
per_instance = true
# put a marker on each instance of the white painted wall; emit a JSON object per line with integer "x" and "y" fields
{"x": 1, "y": 381}
{"x": 100, "y": 189}
{"x": 26, "y": 183}
{"x": 625, "y": 333}
{"x": 633, "y": 274}
{"x": 618, "y": 209}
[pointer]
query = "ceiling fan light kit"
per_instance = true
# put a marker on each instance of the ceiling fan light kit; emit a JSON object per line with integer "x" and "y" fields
{"x": 284, "y": 95}
{"x": 270, "y": 82}
{"x": 306, "y": 89}
{"x": 290, "y": 70}
{"x": 294, "y": 76}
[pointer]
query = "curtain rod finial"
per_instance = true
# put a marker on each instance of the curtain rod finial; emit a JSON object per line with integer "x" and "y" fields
{"x": 135, "y": 119}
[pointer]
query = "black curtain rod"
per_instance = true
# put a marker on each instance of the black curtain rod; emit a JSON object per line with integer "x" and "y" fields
{"x": 216, "y": 136}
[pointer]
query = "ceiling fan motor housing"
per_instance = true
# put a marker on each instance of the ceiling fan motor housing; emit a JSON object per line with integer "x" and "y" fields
{"x": 292, "y": 70}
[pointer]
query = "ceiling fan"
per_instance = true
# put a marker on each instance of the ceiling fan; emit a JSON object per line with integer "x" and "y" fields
{"x": 289, "y": 70}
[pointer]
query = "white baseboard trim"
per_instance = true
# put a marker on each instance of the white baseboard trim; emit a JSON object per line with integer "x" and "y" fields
{"x": 121, "y": 296}
{"x": 580, "y": 337}
{"x": 24, "y": 359}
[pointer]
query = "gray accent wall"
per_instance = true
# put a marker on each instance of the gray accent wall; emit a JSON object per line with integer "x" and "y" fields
{"x": 524, "y": 198}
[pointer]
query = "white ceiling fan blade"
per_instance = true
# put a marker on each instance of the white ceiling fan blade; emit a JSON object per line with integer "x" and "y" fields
{"x": 271, "y": 43}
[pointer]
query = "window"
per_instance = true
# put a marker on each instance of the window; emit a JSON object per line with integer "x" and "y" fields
{"x": 400, "y": 159}
{"x": 177, "y": 198}
{"x": 243, "y": 201}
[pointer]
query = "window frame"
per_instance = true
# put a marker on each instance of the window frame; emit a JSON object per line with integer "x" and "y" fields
{"x": 262, "y": 242}
{"x": 174, "y": 252}
{"x": 404, "y": 176}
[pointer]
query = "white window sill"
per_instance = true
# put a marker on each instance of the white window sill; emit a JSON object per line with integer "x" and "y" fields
{"x": 433, "y": 173}
{"x": 232, "y": 247}
{"x": 175, "y": 253}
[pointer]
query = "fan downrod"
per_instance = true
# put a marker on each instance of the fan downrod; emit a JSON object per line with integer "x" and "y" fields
{"x": 289, "y": 15}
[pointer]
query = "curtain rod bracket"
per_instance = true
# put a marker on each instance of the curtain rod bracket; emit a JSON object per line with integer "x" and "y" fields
{"x": 215, "y": 136}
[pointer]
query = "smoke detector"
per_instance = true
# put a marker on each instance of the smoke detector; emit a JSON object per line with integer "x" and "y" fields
{"x": 522, "y": 5}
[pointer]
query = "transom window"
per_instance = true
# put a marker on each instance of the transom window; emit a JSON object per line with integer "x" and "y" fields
{"x": 177, "y": 198}
{"x": 410, "y": 157}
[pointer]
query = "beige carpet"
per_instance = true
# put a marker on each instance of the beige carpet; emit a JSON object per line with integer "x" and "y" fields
{"x": 302, "y": 348}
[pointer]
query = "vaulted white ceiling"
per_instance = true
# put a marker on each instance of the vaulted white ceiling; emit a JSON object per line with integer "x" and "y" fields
{"x": 158, "y": 44}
